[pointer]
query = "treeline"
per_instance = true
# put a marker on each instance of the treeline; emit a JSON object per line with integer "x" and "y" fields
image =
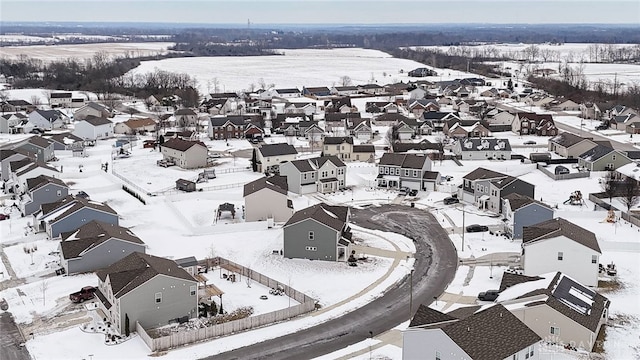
{"x": 161, "y": 84}
{"x": 583, "y": 92}
{"x": 211, "y": 49}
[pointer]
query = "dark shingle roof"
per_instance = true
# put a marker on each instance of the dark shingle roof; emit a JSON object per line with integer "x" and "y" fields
{"x": 510, "y": 279}
{"x": 566, "y": 139}
{"x": 276, "y": 183}
{"x": 184, "y": 112}
{"x": 493, "y": 333}
{"x": 484, "y": 144}
{"x": 138, "y": 268}
{"x": 221, "y": 120}
{"x": 91, "y": 235}
{"x": 428, "y": 316}
{"x": 72, "y": 204}
{"x": 560, "y": 227}
{"x": 38, "y": 181}
{"x": 596, "y": 153}
{"x": 319, "y": 161}
{"x": 40, "y": 141}
{"x": 334, "y": 217}
{"x": 464, "y": 312}
{"x": 337, "y": 140}
{"x": 482, "y": 173}
{"x": 303, "y": 165}
{"x": 277, "y": 149}
{"x": 363, "y": 148}
{"x": 517, "y": 201}
{"x": 180, "y": 144}
{"x": 97, "y": 121}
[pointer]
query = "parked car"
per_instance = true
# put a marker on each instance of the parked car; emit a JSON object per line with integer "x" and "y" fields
{"x": 447, "y": 177}
{"x": 489, "y": 295}
{"x": 450, "y": 200}
{"x": 404, "y": 191}
{"x": 86, "y": 293}
{"x": 529, "y": 142}
{"x": 477, "y": 228}
{"x": 4, "y": 217}
{"x": 413, "y": 192}
{"x": 602, "y": 127}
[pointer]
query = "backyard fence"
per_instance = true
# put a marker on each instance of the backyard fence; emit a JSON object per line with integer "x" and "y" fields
{"x": 630, "y": 217}
{"x": 306, "y": 305}
{"x": 581, "y": 174}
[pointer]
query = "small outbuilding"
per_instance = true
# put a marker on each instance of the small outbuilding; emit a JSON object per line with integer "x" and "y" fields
{"x": 185, "y": 185}
{"x": 561, "y": 170}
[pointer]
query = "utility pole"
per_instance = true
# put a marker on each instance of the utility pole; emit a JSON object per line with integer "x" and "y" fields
{"x": 410, "y": 294}
{"x": 463, "y": 228}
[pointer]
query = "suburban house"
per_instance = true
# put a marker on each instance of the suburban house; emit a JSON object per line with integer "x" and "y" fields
{"x": 38, "y": 148}
{"x": 48, "y": 119}
{"x": 219, "y": 106}
{"x": 6, "y": 157}
{"x": 25, "y": 169}
{"x": 562, "y": 104}
{"x": 266, "y": 198}
{"x": 603, "y": 158}
{"x": 270, "y": 156}
{"x": 364, "y": 153}
{"x": 146, "y": 289}
{"x": 71, "y": 213}
{"x": 397, "y": 170}
{"x": 14, "y": 123}
{"x": 490, "y": 333}
{"x": 482, "y": 149}
{"x": 307, "y": 108}
{"x": 228, "y": 127}
{"x": 339, "y": 146}
{"x": 439, "y": 118}
{"x": 403, "y": 132}
{"x": 519, "y": 211}
{"x": 186, "y": 154}
{"x": 419, "y": 106}
{"x": 500, "y": 188}
{"x": 96, "y": 245}
{"x": 316, "y": 91}
{"x": 501, "y": 118}
{"x": 477, "y": 183}
{"x": 389, "y": 119}
{"x": 569, "y": 145}
{"x": 324, "y": 174}
{"x": 360, "y": 129}
{"x": 560, "y": 245}
{"x": 629, "y": 171}
{"x": 557, "y": 307}
{"x": 375, "y": 107}
{"x": 16, "y": 105}
{"x": 40, "y": 190}
{"x": 461, "y": 130}
{"x": 65, "y": 99}
{"x": 135, "y": 126}
{"x": 94, "y": 128}
{"x": 92, "y": 109}
{"x": 425, "y": 147}
{"x": 344, "y": 90}
{"x": 319, "y": 232}
{"x": 590, "y": 111}
{"x": 186, "y": 117}
{"x": 526, "y": 123}
{"x": 66, "y": 141}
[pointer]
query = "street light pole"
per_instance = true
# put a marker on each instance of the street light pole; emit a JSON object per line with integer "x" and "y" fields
{"x": 463, "y": 228}
{"x": 410, "y": 294}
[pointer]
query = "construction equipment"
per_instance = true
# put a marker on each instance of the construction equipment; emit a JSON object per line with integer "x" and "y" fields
{"x": 575, "y": 199}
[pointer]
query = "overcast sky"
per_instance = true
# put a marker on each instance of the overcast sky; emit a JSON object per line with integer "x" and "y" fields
{"x": 325, "y": 11}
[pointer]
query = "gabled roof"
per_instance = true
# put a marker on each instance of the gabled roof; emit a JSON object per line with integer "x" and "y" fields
{"x": 139, "y": 123}
{"x": 482, "y": 173}
{"x": 334, "y": 217}
{"x": 559, "y": 227}
{"x": 511, "y": 279}
{"x": 185, "y": 111}
{"x": 50, "y": 115}
{"x": 181, "y": 145}
{"x": 39, "y": 141}
{"x": 39, "y": 181}
{"x": 391, "y": 117}
{"x": 337, "y": 140}
{"x": 222, "y": 120}
{"x": 428, "y": 316}
{"x": 363, "y": 149}
{"x": 64, "y": 138}
{"x": 91, "y": 235}
{"x": 19, "y": 164}
{"x": 97, "y": 121}
{"x": 136, "y": 269}
{"x": 31, "y": 166}
{"x": 321, "y": 160}
{"x": 96, "y": 106}
{"x": 567, "y": 139}
{"x": 439, "y": 115}
{"x": 484, "y": 144}
{"x": 337, "y": 116}
{"x": 400, "y": 147}
{"x": 277, "y": 149}
{"x": 598, "y": 152}
{"x": 59, "y": 95}
{"x": 506, "y": 181}
{"x": 53, "y": 212}
{"x": 517, "y": 201}
{"x": 405, "y": 161}
{"x": 276, "y": 183}
{"x": 287, "y": 91}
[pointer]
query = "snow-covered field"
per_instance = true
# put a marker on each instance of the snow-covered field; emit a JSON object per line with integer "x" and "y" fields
{"x": 85, "y": 51}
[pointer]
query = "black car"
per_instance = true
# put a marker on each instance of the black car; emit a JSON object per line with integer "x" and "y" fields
{"x": 602, "y": 127}
{"x": 477, "y": 228}
{"x": 413, "y": 192}
{"x": 489, "y": 295}
{"x": 529, "y": 142}
{"x": 450, "y": 200}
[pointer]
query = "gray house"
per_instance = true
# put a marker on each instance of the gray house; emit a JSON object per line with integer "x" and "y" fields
{"x": 96, "y": 245}
{"x": 6, "y": 157}
{"x": 40, "y": 190}
{"x": 397, "y": 170}
{"x": 491, "y": 333}
{"x": 324, "y": 174}
{"x": 482, "y": 149}
{"x": 147, "y": 289}
{"x": 519, "y": 211}
{"x": 71, "y": 213}
{"x": 66, "y": 141}
{"x": 500, "y": 188}
{"x": 603, "y": 158}
{"x": 477, "y": 183}
{"x": 319, "y": 232}
{"x": 39, "y": 148}
{"x": 569, "y": 145}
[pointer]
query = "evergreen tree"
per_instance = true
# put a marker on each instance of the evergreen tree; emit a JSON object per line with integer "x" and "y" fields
{"x": 126, "y": 325}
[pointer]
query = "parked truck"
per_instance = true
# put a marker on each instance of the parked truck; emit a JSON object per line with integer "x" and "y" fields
{"x": 86, "y": 293}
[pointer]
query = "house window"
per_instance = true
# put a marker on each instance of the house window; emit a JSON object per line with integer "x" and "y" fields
{"x": 341, "y": 183}
{"x": 415, "y": 173}
{"x": 613, "y": 157}
{"x": 398, "y": 171}
{"x": 438, "y": 355}
{"x": 326, "y": 147}
{"x": 338, "y": 147}
{"x": 555, "y": 330}
{"x": 406, "y": 172}
{"x": 514, "y": 357}
{"x": 158, "y": 297}
{"x": 594, "y": 259}
{"x": 311, "y": 235}
{"x": 192, "y": 290}
{"x": 59, "y": 193}
{"x": 530, "y": 351}
{"x": 560, "y": 255}
{"x": 304, "y": 176}
{"x": 311, "y": 248}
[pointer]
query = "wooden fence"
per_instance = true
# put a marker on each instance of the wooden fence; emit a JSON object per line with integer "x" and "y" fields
{"x": 596, "y": 198}
{"x": 180, "y": 338}
{"x": 582, "y": 174}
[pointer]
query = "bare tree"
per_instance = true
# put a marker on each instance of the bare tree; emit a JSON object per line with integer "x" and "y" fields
{"x": 345, "y": 80}
{"x": 609, "y": 184}
{"x": 630, "y": 193}
{"x": 44, "y": 286}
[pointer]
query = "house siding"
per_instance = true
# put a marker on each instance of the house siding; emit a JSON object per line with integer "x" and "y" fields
{"x": 88, "y": 131}
{"x": 528, "y": 215}
{"x": 518, "y": 187}
{"x": 542, "y": 257}
{"x": 6, "y": 168}
{"x": 41, "y": 154}
{"x": 296, "y": 239}
{"x": 140, "y": 303}
{"x": 266, "y": 203}
{"x": 102, "y": 256}
{"x": 423, "y": 344}
{"x": 602, "y": 163}
{"x": 44, "y": 195}
{"x": 79, "y": 218}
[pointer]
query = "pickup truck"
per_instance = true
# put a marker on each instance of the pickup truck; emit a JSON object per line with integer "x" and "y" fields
{"x": 86, "y": 293}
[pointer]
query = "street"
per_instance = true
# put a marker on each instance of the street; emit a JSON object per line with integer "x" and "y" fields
{"x": 435, "y": 266}
{"x": 10, "y": 340}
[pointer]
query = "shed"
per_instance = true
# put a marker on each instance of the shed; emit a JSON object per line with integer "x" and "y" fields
{"x": 540, "y": 157}
{"x": 185, "y": 185}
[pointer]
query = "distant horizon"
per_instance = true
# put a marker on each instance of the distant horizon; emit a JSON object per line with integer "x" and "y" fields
{"x": 311, "y": 13}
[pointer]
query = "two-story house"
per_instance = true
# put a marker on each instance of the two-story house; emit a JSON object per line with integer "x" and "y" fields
{"x": 477, "y": 183}
{"x": 69, "y": 214}
{"x": 603, "y": 158}
{"x": 319, "y": 232}
{"x": 413, "y": 171}
{"x": 38, "y": 148}
{"x": 500, "y": 188}
{"x": 324, "y": 174}
{"x": 519, "y": 211}
{"x": 186, "y": 154}
{"x": 569, "y": 145}
{"x": 48, "y": 119}
{"x": 40, "y": 190}
{"x": 94, "y": 128}
{"x": 560, "y": 245}
{"x": 266, "y": 198}
{"x": 92, "y": 109}
{"x": 482, "y": 149}
{"x": 526, "y": 123}
{"x": 339, "y": 146}
{"x": 270, "y": 156}
{"x": 147, "y": 289}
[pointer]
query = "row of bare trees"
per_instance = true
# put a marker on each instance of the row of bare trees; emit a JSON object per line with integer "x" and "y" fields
{"x": 627, "y": 189}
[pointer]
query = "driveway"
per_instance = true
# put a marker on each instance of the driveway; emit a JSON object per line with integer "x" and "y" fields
{"x": 10, "y": 339}
{"x": 435, "y": 266}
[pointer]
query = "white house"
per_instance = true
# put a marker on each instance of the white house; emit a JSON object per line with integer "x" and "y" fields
{"x": 186, "y": 154}
{"x": 48, "y": 119}
{"x": 266, "y": 198}
{"x": 94, "y": 128}
{"x": 270, "y": 156}
{"x": 483, "y": 149}
{"x": 559, "y": 245}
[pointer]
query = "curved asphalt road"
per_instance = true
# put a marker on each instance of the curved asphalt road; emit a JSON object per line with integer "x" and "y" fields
{"x": 436, "y": 262}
